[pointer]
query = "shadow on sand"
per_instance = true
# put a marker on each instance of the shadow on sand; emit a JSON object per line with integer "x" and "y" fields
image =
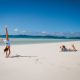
{"x": 17, "y": 56}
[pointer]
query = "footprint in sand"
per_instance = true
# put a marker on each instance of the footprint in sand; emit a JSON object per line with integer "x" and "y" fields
{"x": 37, "y": 61}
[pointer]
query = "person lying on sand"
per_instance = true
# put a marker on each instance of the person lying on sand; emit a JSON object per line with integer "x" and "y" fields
{"x": 63, "y": 48}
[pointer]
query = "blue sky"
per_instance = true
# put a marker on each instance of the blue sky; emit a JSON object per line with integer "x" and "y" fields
{"x": 48, "y": 16}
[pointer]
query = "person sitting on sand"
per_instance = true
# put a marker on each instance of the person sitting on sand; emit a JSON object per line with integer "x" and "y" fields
{"x": 63, "y": 48}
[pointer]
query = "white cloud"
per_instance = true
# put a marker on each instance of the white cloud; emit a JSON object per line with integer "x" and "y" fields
{"x": 23, "y": 31}
{"x": 16, "y": 30}
{"x": 44, "y": 32}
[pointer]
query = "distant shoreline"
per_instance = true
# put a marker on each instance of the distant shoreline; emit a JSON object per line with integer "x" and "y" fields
{"x": 39, "y": 37}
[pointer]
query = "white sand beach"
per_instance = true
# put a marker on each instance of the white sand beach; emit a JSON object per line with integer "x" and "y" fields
{"x": 40, "y": 62}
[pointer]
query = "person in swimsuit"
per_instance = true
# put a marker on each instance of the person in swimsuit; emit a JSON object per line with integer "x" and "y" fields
{"x": 63, "y": 48}
{"x": 7, "y": 42}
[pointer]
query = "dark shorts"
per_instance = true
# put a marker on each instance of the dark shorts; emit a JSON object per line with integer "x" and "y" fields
{"x": 6, "y": 49}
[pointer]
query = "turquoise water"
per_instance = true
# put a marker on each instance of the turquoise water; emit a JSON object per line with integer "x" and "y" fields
{"x": 35, "y": 41}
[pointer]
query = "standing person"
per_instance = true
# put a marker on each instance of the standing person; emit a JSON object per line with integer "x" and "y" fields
{"x": 7, "y": 42}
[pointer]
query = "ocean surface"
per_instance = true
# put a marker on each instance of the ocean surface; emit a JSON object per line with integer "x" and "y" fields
{"x": 17, "y": 41}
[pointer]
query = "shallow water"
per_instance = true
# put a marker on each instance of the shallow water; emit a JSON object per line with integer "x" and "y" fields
{"x": 34, "y": 41}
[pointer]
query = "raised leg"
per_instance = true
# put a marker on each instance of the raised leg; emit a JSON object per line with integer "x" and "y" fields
{"x": 7, "y": 38}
